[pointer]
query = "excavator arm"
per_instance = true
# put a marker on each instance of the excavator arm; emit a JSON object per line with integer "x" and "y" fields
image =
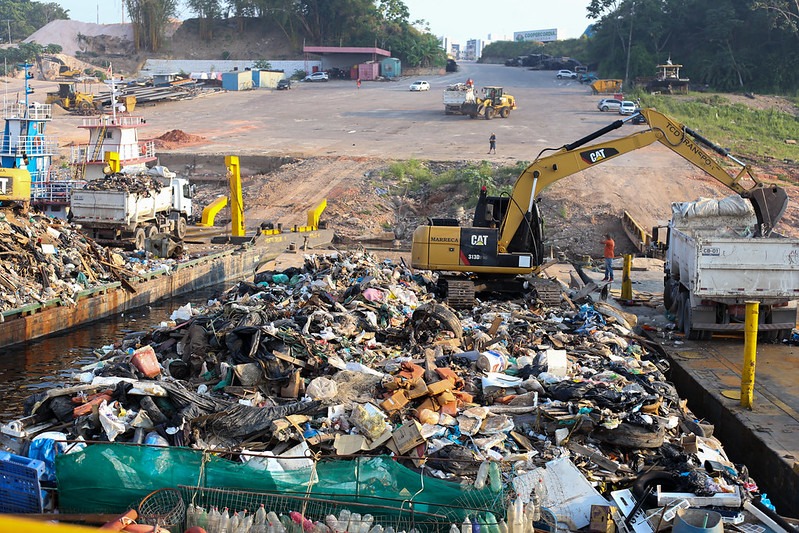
{"x": 769, "y": 201}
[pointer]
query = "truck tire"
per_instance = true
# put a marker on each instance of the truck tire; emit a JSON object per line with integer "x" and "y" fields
{"x": 150, "y": 231}
{"x": 504, "y": 112}
{"x": 488, "y": 113}
{"x": 687, "y": 319}
{"x": 138, "y": 239}
{"x": 180, "y": 228}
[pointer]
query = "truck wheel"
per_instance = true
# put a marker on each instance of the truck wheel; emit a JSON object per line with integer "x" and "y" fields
{"x": 180, "y": 228}
{"x": 688, "y": 319}
{"x": 138, "y": 239}
{"x": 489, "y": 113}
{"x": 150, "y": 231}
{"x": 669, "y": 295}
{"x": 504, "y": 112}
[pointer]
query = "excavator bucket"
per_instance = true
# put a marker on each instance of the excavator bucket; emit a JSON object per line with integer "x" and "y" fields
{"x": 769, "y": 202}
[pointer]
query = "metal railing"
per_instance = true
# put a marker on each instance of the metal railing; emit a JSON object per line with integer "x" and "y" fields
{"x": 110, "y": 120}
{"x": 33, "y": 145}
{"x": 34, "y": 111}
{"x": 84, "y": 153}
{"x": 54, "y": 191}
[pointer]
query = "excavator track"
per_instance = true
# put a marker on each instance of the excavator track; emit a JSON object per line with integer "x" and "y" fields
{"x": 459, "y": 292}
{"x": 547, "y": 291}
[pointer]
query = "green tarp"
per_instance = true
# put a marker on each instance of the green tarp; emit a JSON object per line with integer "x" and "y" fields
{"x": 110, "y": 478}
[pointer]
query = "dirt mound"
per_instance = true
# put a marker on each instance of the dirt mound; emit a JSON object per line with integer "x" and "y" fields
{"x": 177, "y": 138}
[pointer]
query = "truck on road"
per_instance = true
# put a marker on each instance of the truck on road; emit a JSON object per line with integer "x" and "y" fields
{"x": 714, "y": 265}
{"x": 124, "y": 210}
{"x": 460, "y": 98}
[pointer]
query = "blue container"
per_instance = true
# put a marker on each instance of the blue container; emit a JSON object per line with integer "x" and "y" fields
{"x": 20, "y": 489}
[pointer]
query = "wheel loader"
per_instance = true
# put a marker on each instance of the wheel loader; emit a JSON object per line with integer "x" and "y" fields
{"x": 494, "y": 102}
{"x": 82, "y": 103}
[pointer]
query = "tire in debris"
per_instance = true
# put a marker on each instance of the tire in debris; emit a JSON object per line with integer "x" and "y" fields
{"x": 180, "y": 228}
{"x": 432, "y": 317}
{"x": 138, "y": 238}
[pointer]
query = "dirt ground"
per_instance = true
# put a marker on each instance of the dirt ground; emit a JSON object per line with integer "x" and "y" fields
{"x": 339, "y": 139}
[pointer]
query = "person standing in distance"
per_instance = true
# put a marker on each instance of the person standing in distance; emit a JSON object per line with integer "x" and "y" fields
{"x": 610, "y": 249}
{"x": 492, "y": 144}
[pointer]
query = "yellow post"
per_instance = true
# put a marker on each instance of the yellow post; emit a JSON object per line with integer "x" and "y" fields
{"x": 236, "y": 201}
{"x": 626, "y": 281}
{"x": 112, "y": 159}
{"x": 750, "y": 355}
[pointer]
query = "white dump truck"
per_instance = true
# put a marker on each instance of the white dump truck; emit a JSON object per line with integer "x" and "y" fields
{"x": 456, "y": 96}
{"x": 125, "y": 209}
{"x": 715, "y": 264}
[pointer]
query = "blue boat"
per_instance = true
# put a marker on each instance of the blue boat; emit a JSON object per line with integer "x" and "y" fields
{"x": 25, "y": 146}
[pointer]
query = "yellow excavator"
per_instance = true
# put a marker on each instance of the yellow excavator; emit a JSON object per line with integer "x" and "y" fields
{"x": 81, "y": 102}
{"x": 505, "y": 240}
{"x": 495, "y": 101}
{"x": 15, "y": 187}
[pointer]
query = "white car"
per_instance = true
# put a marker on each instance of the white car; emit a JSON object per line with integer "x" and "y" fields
{"x": 566, "y": 74}
{"x": 317, "y": 76}
{"x": 627, "y": 107}
{"x": 420, "y": 86}
{"x": 609, "y": 104}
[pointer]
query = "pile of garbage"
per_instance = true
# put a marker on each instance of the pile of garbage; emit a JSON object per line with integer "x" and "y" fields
{"x": 563, "y": 406}
{"x": 46, "y": 259}
{"x": 143, "y": 184}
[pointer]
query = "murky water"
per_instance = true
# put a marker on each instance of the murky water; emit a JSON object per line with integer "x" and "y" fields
{"x": 43, "y": 363}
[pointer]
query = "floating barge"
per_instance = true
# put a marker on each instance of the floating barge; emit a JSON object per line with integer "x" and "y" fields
{"x": 54, "y": 316}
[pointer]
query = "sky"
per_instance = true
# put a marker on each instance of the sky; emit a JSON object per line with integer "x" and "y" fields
{"x": 459, "y": 20}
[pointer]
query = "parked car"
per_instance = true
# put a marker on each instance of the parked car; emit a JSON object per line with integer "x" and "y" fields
{"x": 609, "y": 104}
{"x": 420, "y": 86}
{"x": 283, "y": 84}
{"x": 317, "y": 76}
{"x": 568, "y": 74}
{"x": 627, "y": 107}
{"x": 637, "y": 119}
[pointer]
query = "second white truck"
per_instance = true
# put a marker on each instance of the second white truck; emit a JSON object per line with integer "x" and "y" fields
{"x": 714, "y": 265}
{"x": 124, "y": 210}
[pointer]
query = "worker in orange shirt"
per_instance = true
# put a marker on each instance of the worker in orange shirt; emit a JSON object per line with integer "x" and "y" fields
{"x": 610, "y": 249}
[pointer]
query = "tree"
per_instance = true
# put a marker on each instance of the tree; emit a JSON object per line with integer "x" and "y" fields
{"x": 149, "y": 19}
{"x": 207, "y": 11}
{"x": 786, "y": 12}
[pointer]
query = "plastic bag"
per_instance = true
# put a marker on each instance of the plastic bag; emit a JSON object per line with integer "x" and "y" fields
{"x": 322, "y": 388}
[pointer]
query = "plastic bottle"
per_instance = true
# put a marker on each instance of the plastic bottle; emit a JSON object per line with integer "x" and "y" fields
{"x": 482, "y": 474}
{"x": 343, "y": 520}
{"x": 213, "y": 520}
{"x": 491, "y": 523}
{"x": 191, "y": 516}
{"x": 376, "y": 529}
{"x": 475, "y": 524}
{"x": 224, "y": 521}
{"x": 246, "y": 523}
{"x": 503, "y": 527}
{"x": 494, "y": 477}
{"x": 332, "y": 522}
{"x": 202, "y": 517}
{"x": 234, "y": 523}
{"x": 389, "y": 529}
{"x": 260, "y": 516}
{"x": 466, "y": 526}
{"x": 366, "y": 523}
{"x": 355, "y": 523}
{"x": 454, "y": 529}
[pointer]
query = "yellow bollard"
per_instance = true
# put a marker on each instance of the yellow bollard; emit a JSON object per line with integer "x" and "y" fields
{"x": 236, "y": 203}
{"x": 626, "y": 281}
{"x": 750, "y": 355}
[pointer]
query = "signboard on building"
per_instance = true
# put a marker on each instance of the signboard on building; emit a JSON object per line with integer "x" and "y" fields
{"x": 543, "y": 36}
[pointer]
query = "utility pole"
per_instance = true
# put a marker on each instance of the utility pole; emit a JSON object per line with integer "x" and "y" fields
{"x": 629, "y": 47}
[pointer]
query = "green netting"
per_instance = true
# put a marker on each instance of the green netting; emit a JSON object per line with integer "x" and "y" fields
{"x": 109, "y": 478}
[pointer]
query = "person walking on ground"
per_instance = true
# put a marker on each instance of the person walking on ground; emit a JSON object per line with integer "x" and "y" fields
{"x": 492, "y": 144}
{"x": 610, "y": 247}
{"x": 359, "y": 83}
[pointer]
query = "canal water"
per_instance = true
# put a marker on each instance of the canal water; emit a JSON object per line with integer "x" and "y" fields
{"x": 26, "y": 369}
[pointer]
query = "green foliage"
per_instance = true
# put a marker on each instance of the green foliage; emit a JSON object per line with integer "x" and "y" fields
{"x": 299, "y": 74}
{"x": 225, "y": 55}
{"x": 262, "y": 64}
{"x": 739, "y": 128}
{"x": 576, "y": 48}
{"x": 23, "y": 17}
{"x": 727, "y": 44}
{"x": 149, "y": 19}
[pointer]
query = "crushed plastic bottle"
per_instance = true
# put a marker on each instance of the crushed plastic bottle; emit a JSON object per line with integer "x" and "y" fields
{"x": 494, "y": 477}
{"x": 482, "y": 475}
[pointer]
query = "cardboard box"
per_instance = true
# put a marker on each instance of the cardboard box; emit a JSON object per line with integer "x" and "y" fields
{"x": 428, "y": 403}
{"x": 418, "y": 389}
{"x": 408, "y": 436}
{"x": 601, "y": 520}
{"x": 434, "y": 389}
{"x": 395, "y": 402}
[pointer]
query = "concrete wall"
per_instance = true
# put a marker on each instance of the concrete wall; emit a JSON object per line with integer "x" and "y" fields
{"x": 164, "y": 66}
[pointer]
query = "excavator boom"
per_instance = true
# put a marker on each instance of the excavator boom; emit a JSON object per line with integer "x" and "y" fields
{"x": 505, "y": 239}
